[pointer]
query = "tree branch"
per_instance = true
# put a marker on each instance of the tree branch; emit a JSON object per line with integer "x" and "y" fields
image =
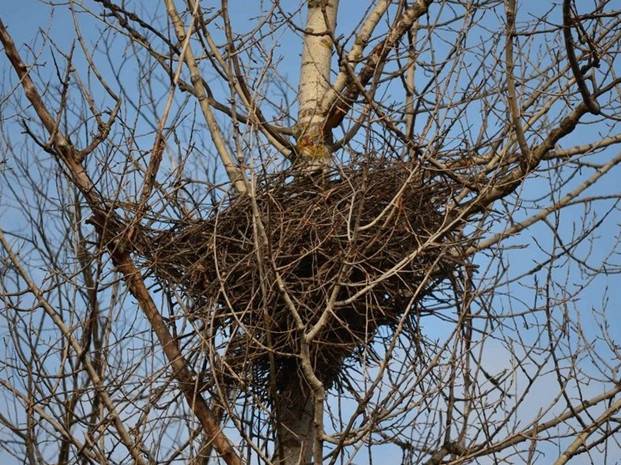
{"x": 571, "y": 56}
{"x": 108, "y": 228}
{"x": 235, "y": 174}
{"x": 340, "y": 99}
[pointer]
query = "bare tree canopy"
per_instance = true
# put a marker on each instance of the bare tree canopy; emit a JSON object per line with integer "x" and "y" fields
{"x": 312, "y": 232}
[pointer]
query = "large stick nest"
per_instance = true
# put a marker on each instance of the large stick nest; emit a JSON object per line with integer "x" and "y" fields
{"x": 371, "y": 229}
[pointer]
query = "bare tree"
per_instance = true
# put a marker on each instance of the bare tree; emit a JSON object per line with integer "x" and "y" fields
{"x": 311, "y": 232}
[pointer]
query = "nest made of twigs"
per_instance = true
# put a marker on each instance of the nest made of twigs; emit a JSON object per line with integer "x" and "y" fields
{"x": 371, "y": 229}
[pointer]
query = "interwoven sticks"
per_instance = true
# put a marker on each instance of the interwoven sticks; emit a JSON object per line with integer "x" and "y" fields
{"x": 375, "y": 230}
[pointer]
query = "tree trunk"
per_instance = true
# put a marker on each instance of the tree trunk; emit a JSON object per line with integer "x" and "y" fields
{"x": 313, "y": 137}
{"x": 294, "y": 409}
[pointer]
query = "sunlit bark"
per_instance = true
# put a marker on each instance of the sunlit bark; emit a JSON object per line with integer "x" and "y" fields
{"x": 313, "y": 136}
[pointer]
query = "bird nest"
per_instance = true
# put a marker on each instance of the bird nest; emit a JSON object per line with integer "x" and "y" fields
{"x": 363, "y": 244}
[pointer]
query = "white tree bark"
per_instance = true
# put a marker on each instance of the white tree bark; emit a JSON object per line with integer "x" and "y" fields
{"x": 313, "y": 136}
